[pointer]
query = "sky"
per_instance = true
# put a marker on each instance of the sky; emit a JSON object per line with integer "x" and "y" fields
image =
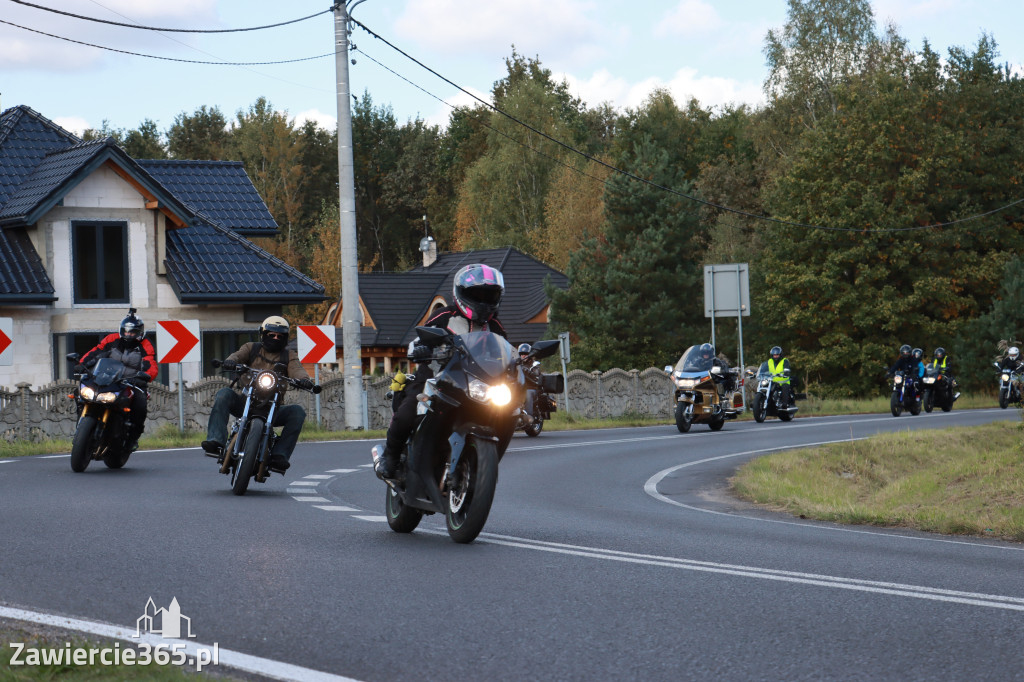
{"x": 614, "y": 52}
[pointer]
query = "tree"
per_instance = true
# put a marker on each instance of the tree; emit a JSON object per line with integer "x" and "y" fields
{"x": 202, "y": 135}
{"x": 143, "y": 142}
{"x": 573, "y": 211}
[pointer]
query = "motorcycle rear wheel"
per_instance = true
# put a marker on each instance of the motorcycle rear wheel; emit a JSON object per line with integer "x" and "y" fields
{"x": 915, "y": 408}
{"x": 81, "y": 445}
{"x": 895, "y": 405}
{"x": 534, "y": 429}
{"x": 472, "y": 492}
{"x": 760, "y": 409}
{"x": 116, "y": 460}
{"x": 683, "y": 420}
{"x": 251, "y": 450}
{"x": 785, "y": 416}
{"x": 717, "y": 424}
{"x": 401, "y": 518}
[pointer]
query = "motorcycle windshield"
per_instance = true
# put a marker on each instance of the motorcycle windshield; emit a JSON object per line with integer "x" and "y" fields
{"x": 763, "y": 369}
{"x": 107, "y": 371}
{"x": 488, "y": 355}
{"x": 692, "y": 362}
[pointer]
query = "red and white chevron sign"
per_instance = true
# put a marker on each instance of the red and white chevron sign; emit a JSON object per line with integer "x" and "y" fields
{"x": 316, "y": 343}
{"x": 177, "y": 341}
{"x": 6, "y": 340}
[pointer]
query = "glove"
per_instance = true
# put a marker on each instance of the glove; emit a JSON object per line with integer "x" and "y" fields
{"x": 421, "y": 353}
{"x": 227, "y": 366}
{"x": 140, "y": 380}
{"x": 306, "y": 384}
{"x": 81, "y": 369}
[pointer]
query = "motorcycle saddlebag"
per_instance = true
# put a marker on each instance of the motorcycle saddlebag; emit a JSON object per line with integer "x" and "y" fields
{"x": 552, "y": 383}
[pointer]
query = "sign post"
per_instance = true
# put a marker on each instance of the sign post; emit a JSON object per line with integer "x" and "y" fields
{"x": 177, "y": 341}
{"x": 316, "y": 344}
{"x": 727, "y": 292}
{"x": 564, "y": 351}
{"x": 6, "y": 340}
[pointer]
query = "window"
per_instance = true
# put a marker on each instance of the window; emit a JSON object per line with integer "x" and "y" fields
{"x": 219, "y": 345}
{"x": 100, "y": 258}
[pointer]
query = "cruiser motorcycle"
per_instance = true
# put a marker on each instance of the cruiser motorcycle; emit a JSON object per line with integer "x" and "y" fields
{"x": 698, "y": 400}
{"x": 104, "y": 398}
{"x": 465, "y": 419}
{"x": 1009, "y": 386}
{"x": 905, "y": 394}
{"x": 251, "y": 439}
{"x": 768, "y": 400}
{"x": 938, "y": 389}
{"x": 538, "y": 404}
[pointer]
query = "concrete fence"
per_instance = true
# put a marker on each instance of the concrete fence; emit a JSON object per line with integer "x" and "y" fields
{"x": 36, "y": 414}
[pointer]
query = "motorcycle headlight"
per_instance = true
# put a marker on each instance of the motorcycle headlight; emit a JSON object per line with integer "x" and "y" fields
{"x": 266, "y": 381}
{"x": 686, "y": 383}
{"x": 1006, "y": 377}
{"x": 764, "y": 382}
{"x": 88, "y": 393}
{"x": 929, "y": 380}
{"x": 898, "y": 380}
{"x": 499, "y": 395}
{"x": 107, "y": 397}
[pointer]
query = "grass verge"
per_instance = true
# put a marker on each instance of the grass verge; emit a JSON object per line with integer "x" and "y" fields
{"x": 961, "y": 481}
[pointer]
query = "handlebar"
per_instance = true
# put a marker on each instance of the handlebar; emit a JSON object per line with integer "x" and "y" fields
{"x": 241, "y": 368}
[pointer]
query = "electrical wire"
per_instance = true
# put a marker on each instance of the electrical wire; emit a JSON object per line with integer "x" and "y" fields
{"x": 709, "y": 204}
{"x": 169, "y": 30}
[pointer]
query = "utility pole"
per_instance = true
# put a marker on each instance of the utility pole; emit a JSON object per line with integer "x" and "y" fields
{"x": 351, "y": 314}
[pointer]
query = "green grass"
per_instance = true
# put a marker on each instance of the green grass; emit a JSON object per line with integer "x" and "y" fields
{"x": 966, "y": 481}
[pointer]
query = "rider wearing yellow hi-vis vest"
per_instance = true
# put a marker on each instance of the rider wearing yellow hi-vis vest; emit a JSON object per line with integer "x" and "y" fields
{"x": 777, "y": 366}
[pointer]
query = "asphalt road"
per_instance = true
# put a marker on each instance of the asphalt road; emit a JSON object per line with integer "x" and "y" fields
{"x": 610, "y": 554}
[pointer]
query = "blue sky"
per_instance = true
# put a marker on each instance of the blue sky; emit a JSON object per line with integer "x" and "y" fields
{"x": 614, "y": 52}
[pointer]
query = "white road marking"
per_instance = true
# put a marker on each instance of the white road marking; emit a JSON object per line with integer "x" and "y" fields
{"x": 313, "y": 483}
{"x": 232, "y": 659}
{"x": 310, "y": 499}
{"x": 318, "y": 476}
{"x": 371, "y": 518}
{"x": 298, "y": 491}
{"x": 53, "y": 456}
{"x": 340, "y": 471}
{"x": 6, "y": 461}
{"x": 335, "y": 508}
{"x": 366, "y": 466}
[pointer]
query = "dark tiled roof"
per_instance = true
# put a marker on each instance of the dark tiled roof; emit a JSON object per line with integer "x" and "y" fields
{"x": 53, "y": 172}
{"x": 23, "y": 278}
{"x": 220, "y": 190}
{"x": 207, "y": 263}
{"x": 395, "y": 301}
{"x": 25, "y": 138}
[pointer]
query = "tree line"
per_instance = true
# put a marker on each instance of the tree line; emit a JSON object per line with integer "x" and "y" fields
{"x": 863, "y": 195}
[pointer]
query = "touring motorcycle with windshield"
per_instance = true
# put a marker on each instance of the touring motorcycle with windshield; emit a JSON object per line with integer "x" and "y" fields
{"x": 697, "y": 396}
{"x": 251, "y": 440}
{"x": 938, "y": 389}
{"x": 466, "y": 416}
{"x": 104, "y": 398}
{"x": 768, "y": 399}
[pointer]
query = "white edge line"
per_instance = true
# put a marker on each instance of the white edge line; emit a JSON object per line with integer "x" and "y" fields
{"x": 232, "y": 659}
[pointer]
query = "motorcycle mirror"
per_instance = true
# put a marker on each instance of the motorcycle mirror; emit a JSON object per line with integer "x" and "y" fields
{"x": 73, "y": 357}
{"x": 432, "y": 336}
{"x": 317, "y": 388}
{"x": 668, "y": 369}
{"x": 716, "y": 370}
{"x": 544, "y": 349}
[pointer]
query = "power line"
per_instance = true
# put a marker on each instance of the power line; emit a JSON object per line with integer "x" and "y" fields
{"x": 169, "y": 59}
{"x": 625, "y": 173}
{"x": 172, "y": 30}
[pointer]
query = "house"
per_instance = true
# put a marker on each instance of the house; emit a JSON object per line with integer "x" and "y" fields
{"x": 392, "y": 304}
{"x": 87, "y": 232}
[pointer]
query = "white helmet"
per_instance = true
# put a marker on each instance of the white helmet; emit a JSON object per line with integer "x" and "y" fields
{"x": 1013, "y": 352}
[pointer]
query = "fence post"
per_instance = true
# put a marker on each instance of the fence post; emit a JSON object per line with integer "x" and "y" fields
{"x": 23, "y": 391}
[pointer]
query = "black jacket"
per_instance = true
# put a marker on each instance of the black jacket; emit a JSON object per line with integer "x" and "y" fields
{"x": 452, "y": 319}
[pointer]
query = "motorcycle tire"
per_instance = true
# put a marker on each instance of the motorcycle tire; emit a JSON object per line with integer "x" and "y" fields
{"x": 534, "y": 429}
{"x": 251, "y": 452}
{"x": 472, "y": 492}
{"x": 895, "y": 405}
{"x": 683, "y": 421}
{"x": 81, "y": 444}
{"x": 760, "y": 409}
{"x": 914, "y": 408}
{"x": 716, "y": 424}
{"x": 948, "y": 405}
{"x": 929, "y": 401}
{"x": 401, "y": 518}
{"x": 1004, "y": 399}
{"x": 116, "y": 460}
{"x": 785, "y": 416}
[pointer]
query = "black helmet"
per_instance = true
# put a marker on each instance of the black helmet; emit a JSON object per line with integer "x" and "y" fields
{"x": 707, "y": 351}
{"x": 918, "y": 353}
{"x": 477, "y": 291}
{"x": 274, "y": 333}
{"x": 524, "y": 349}
{"x": 776, "y": 352}
{"x": 132, "y": 328}
{"x": 940, "y": 353}
{"x": 905, "y": 350}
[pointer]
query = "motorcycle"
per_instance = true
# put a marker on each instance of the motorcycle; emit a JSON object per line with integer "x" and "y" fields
{"x": 1009, "y": 386}
{"x": 905, "y": 394}
{"x": 768, "y": 400}
{"x": 938, "y": 389}
{"x": 104, "y": 398}
{"x": 252, "y": 436}
{"x": 537, "y": 405}
{"x": 466, "y": 416}
{"x": 696, "y": 393}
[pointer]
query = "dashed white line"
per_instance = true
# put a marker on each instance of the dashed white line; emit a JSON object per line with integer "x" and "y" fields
{"x": 311, "y": 499}
{"x": 314, "y": 483}
{"x": 318, "y": 476}
{"x": 371, "y": 518}
{"x": 340, "y": 471}
{"x": 54, "y": 456}
{"x": 327, "y": 507}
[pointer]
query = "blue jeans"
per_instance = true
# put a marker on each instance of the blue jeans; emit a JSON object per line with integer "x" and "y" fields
{"x": 289, "y": 417}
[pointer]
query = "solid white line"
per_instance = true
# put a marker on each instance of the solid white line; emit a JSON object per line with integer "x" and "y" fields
{"x": 335, "y": 508}
{"x": 53, "y": 456}
{"x": 232, "y": 659}
{"x": 311, "y": 499}
{"x": 6, "y": 461}
{"x": 651, "y": 488}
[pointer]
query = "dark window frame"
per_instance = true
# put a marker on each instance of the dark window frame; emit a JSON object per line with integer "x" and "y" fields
{"x": 77, "y": 246}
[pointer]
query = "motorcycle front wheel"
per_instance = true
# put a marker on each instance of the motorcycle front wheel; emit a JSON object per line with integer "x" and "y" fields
{"x": 472, "y": 490}
{"x": 1004, "y": 399}
{"x": 401, "y": 518}
{"x": 81, "y": 445}
{"x": 760, "y": 408}
{"x": 683, "y": 420}
{"x": 929, "y": 400}
{"x": 250, "y": 451}
{"x": 895, "y": 405}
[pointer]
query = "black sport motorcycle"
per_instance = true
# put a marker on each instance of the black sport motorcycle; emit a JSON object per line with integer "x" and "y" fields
{"x": 104, "y": 398}
{"x": 252, "y": 436}
{"x": 938, "y": 389}
{"x": 768, "y": 400}
{"x": 538, "y": 403}
{"x": 906, "y": 394}
{"x": 1009, "y": 386}
{"x": 465, "y": 419}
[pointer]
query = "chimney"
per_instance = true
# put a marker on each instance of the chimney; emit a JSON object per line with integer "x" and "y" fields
{"x": 429, "y": 248}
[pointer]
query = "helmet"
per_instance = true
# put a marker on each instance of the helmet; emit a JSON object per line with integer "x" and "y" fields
{"x": 477, "y": 291}
{"x": 132, "y": 328}
{"x": 524, "y": 349}
{"x": 776, "y": 352}
{"x": 905, "y": 350}
{"x": 1013, "y": 352}
{"x": 918, "y": 353}
{"x": 707, "y": 351}
{"x": 274, "y": 333}
{"x": 940, "y": 353}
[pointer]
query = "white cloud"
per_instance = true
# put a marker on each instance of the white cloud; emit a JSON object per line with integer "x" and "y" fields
{"x": 326, "y": 121}
{"x": 689, "y": 18}
{"x": 73, "y": 124}
{"x": 443, "y": 112}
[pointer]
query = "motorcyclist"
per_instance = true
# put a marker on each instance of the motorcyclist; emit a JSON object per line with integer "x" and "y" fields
{"x": 263, "y": 354}
{"x": 708, "y": 359}
{"x": 1012, "y": 362}
{"x": 130, "y": 347}
{"x": 778, "y": 367}
{"x": 906, "y": 362}
{"x": 941, "y": 361}
{"x": 531, "y": 369}
{"x": 476, "y": 292}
